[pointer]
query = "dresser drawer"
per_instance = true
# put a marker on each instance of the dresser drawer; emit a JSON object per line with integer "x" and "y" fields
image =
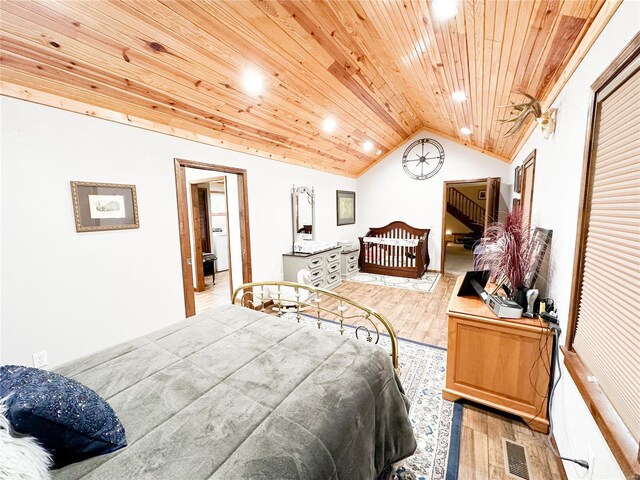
{"x": 314, "y": 262}
{"x": 333, "y": 267}
{"x": 352, "y": 257}
{"x": 352, "y": 267}
{"x": 332, "y": 256}
{"x": 333, "y": 278}
{"x": 316, "y": 274}
{"x": 318, "y": 283}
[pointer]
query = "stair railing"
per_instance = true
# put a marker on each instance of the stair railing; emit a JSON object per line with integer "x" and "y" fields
{"x": 466, "y": 206}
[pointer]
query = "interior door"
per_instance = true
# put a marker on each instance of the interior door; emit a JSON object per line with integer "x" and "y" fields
{"x": 203, "y": 205}
{"x": 197, "y": 239}
{"x": 492, "y": 202}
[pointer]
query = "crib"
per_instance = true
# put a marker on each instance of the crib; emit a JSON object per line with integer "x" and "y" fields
{"x": 397, "y": 249}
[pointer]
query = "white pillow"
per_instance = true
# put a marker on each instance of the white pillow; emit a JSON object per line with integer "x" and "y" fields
{"x": 21, "y": 457}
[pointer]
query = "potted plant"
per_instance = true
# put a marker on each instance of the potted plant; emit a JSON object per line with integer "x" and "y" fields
{"x": 505, "y": 252}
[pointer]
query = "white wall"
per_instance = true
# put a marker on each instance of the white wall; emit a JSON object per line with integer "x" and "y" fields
{"x": 74, "y": 293}
{"x": 555, "y": 205}
{"x": 386, "y": 193}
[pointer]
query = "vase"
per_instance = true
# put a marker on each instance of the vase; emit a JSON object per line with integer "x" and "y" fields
{"x": 519, "y": 296}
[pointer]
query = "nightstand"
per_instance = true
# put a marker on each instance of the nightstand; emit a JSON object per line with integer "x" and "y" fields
{"x": 497, "y": 362}
{"x": 349, "y": 262}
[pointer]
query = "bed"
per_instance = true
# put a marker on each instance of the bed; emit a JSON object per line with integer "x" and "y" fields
{"x": 235, "y": 393}
{"x": 397, "y": 249}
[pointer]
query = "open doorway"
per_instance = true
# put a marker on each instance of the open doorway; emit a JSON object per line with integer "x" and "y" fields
{"x": 469, "y": 206}
{"x": 215, "y": 236}
{"x": 214, "y": 232}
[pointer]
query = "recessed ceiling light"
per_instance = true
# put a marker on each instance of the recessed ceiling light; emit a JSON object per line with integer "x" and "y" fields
{"x": 420, "y": 47}
{"x": 379, "y": 151}
{"x": 329, "y": 124}
{"x": 459, "y": 96}
{"x": 367, "y": 146}
{"x": 253, "y": 82}
{"x": 465, "y": 131}
{"x": 445, "y": 9}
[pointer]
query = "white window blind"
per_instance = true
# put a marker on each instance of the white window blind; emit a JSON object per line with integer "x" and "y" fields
{"x": 608, "y": 325}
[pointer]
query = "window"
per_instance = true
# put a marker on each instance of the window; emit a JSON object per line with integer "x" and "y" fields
{"x": 604, "y": 325}
{"x": 218, "y": 203}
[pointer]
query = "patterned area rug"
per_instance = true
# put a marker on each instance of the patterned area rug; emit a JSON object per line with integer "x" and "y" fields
{"x": 436, "y": 422}
{"x": 425, "y": 284}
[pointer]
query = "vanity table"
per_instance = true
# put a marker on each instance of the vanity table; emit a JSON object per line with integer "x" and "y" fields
{"x": 322, "y": 259}
{"x": 324, "y": 267}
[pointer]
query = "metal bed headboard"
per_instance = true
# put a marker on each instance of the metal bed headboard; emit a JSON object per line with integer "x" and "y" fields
{"x": 287, "y": 299}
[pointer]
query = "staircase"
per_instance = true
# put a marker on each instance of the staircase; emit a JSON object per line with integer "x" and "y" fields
{"x": 465, "y": 210}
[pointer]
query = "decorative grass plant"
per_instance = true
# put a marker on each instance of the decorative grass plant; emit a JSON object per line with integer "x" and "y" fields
{"x": 505, "y": 250}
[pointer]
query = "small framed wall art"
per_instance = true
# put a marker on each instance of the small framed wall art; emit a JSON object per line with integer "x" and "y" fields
{"x": 346, "y": 207}
{"x": 482, "y": 194}
{"x": 517, "y": 179}
{"x": 515, "y": 203}
{"x": 104, "y": 206}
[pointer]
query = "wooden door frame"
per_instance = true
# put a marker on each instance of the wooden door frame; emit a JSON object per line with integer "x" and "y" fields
{"x": 180, "y": 166}
{"x": 206, "y": 241}
{"x": 529, "y": 162}
{"x": 197, "y": 239}
{"x": 445, "y": 188}
{"x": 491, "y": 216}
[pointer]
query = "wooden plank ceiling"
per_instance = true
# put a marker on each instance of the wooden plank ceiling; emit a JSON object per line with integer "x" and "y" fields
{"x": 383, "y": 69}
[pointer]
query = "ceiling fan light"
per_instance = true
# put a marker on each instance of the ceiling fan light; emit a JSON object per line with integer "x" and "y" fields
{"x": 445, "y": 9}
{"x": 379, "y": 151}
{"x": 367, "y": 146}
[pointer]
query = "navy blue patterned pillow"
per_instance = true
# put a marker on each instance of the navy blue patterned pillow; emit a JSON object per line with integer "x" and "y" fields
{"x": 70, "y": 420}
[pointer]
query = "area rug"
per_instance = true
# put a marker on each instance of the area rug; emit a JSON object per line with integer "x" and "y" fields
{"x": 425, "y": 284}
{"x": 436, "y": 422}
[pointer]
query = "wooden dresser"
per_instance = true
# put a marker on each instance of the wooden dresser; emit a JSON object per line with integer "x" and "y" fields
{"x": 501, "y": 363}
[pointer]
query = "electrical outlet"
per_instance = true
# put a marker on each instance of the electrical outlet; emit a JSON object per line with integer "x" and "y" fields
{"x": 592, "y": 460}
{"x": 40, "y": 359}
{"x": 585, "y": 473}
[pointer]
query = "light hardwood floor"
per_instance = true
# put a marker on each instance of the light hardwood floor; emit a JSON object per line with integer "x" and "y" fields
{"x": 422, "y": 317}
{"x": 414, "y": 315}
{"x": 213, "y": 295}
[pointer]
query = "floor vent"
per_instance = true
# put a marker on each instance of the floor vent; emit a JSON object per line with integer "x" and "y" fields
{"x": 515, "y": 460}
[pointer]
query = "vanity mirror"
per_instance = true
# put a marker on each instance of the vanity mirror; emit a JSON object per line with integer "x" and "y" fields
{"x": 304, "y": 213}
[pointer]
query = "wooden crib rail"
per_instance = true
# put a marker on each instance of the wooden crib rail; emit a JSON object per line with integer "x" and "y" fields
{"x": 396, "y": 260}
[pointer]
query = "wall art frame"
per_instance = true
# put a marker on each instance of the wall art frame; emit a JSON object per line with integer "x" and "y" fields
{"x": 104, "y": 206}
{"x": 345, "y": 207}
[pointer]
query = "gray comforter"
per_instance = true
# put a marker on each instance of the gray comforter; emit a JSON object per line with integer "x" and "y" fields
{"x": 236, "y": 394}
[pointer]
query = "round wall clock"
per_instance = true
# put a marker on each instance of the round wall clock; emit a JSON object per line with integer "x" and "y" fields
{"x": 423, "y": 159}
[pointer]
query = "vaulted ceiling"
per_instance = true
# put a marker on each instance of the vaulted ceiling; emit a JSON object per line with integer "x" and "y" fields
{"x": 383, "y": 69}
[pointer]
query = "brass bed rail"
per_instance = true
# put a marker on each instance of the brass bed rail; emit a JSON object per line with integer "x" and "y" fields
{"x": 287, "y": 298}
